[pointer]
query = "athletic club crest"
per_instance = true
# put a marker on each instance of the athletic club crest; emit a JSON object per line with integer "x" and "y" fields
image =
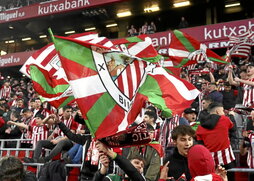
{"x": 120, "y": 73}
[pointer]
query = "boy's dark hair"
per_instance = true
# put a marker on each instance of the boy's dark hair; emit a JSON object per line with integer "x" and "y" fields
{"x": 15, "y": 114}
{"x": 151, "y": 115}
{"x": 11, "y": 169}
{"x": 138, "y": 157}
{"x": 67, "y": 107}
{"x": 214, "y": 105}
{"x": 151, "y": 108}
{"x": 182, "y": 130}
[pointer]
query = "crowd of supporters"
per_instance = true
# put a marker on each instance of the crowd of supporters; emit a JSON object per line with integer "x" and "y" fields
{"x": 221, "y": 119}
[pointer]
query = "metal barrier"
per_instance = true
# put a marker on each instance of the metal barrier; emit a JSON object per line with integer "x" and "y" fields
{"x": 250, "y": 170}
{"x": 3, "y": 141}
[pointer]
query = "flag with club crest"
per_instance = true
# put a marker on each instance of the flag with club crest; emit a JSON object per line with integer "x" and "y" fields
{"x": 241, "y": 45}
{"x": 110, "y": 87}
{"x": 184, "y": 50}
{"x": 49, "y": 79}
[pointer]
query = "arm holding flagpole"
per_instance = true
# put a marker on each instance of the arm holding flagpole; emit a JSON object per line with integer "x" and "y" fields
{"x": 231, "y": 79}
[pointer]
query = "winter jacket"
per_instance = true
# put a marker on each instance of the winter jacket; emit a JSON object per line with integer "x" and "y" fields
{"x": 201, "y": 165}
{"x": 178, "y": 166}
{"x": 152, "y": 161}
{"x": 216, "y": 96}
{"x": 53, "y": 171}
{"x": 128, "y": 169}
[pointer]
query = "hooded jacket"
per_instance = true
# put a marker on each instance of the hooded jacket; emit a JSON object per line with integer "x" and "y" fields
{"x": 201, "y": 165}
{"x": 214, "y": 132}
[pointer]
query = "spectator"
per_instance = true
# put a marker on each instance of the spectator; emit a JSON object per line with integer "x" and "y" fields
{"x": 202, "y": 166}
{"x": 206, "y": 101}
{"x": 190, "y": 114}
{"x": 133, "y": 168}
{"x": 215, "y": 95}
{"x": 144, "y": 28}
{"x": 132, "y": 31}
{"x": 183, "y": 23}
{"x": 183, "y": 137}
{"x": 57, "y": 141}
{"x": 151, "y": 28}
{"x": 151, "y": 156}
{"x": 228, "y": 96}
{"x": 248, "y": 98}
{"x": 5, "y": 91}
{"x": 214, "y": 134}
{"x": 12, "y": 169}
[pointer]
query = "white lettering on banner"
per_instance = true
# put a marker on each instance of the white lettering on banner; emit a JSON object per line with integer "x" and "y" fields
{"x": 9, "y": 16}
{"x": 226, "y": 31}
{"x": 66, "y": 5}
{"x": 222, "y": 44}
{"x": 10, "y": 60}
{"x": 161, "y": 41}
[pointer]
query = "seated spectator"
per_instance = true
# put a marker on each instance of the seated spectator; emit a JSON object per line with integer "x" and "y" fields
{"x": 12, "y": 169}
{"x": 183, "y": 137}
{"x": 133, "y": 168}
{"x": 39, "y": 131}
{"x": 57, "y": 141}
{"x": 132, "y": 31}
{"x": 144, "y": 28}
{"x": 151, "y": 28}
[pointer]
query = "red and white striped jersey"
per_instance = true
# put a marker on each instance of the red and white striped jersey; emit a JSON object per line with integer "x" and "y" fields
{"x": 38, "y": 133}
{"x": 5, "y": 92}
{"x": 248, "y": 95}
{"x": 70, "y": 123}
{"x": 250, "y": 157}
{"x": 223, "y": 157}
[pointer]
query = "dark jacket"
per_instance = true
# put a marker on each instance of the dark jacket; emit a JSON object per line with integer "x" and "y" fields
{"x": 178, "y": 165}
{"x": 228, "y": 99}
{"x": 202, "y": 116}
{"x": 53, "y": 171}
{"x": 29, "y": 176}
{"x": 126, "y": 166}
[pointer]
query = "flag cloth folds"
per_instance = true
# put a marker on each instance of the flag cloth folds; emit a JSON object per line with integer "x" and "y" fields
{"x": 185, "y": 50}
{"x": 49, "y": 79}
{"x": 111, "y": 87}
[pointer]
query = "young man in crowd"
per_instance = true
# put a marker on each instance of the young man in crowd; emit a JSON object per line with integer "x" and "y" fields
{"x": 133, "y": 169}
{"x": 57, "y": 141}
{"x": 190, "y": 114}
{"x": 248, "y": 85}
{"x": 183, "y": 137}
{"x": 214, "y": 94}
{"x": 214, "y": 134}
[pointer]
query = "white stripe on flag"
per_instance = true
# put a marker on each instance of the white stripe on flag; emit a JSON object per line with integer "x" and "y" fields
{"x": 125, "y": 83}
{"x": 87, "y": 37}
{"x": 179, "y": 85}
{"x": 134, "y": 77}
{"x": 140, "y": 46}
{"x": 87, "y": 86}
{"x": 178, "y": 53}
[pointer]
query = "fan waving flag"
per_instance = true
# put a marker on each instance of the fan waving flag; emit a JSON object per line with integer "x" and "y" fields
{"x": 49, "y": 79}
{"x": 111, "y": 87}
{"x": 185, "y": 50}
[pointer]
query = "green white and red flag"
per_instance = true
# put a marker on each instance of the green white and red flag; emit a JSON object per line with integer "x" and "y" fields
{"x": 184, "y": 50}
{"x": 49, "y": 79}
{"x": 111, "y": 99}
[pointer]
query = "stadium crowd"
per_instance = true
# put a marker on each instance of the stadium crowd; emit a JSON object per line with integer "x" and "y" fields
{"x": 218, "y": 125}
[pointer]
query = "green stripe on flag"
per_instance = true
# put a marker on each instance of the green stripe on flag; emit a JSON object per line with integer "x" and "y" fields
{"x": 75, "y": 52}
{"x": 182, "y": 63}
{"x": 217, "y": 60}
{"x": 152, "y": 90}
{"x": 67, "y": 101}
{"x": 38, "y": 76}
{"x": 104, "y": 104}
{"x": 153, "y": 59}
{"x": 179, "y": 35}
{"x": 134, "y": 39}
